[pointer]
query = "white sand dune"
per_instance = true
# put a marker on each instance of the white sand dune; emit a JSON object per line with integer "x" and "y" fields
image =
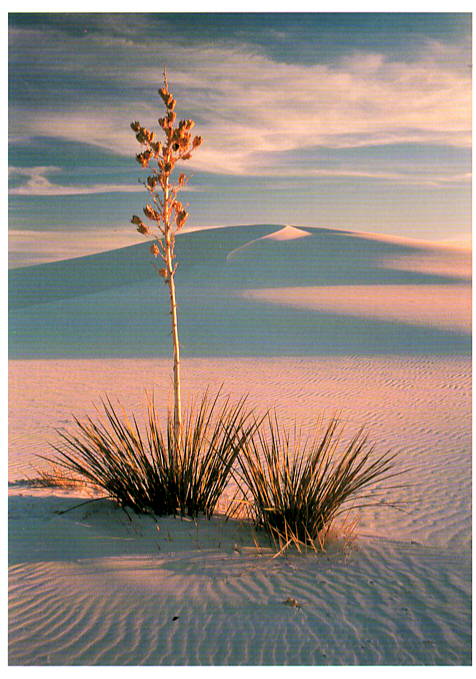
{"x": 375, "y": 328}
{"x": 110, "y": 304}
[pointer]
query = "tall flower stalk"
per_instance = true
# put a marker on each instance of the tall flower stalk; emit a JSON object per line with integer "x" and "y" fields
{"x": 165, "y": 212}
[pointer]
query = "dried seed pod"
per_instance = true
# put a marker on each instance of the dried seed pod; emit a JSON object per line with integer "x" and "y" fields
{"x": 181, "y": 218}
{"x": 157, "y": 148}
{"x": 184, "y": 141}
{"x": 151, "y": 213}
{"x": 152, "y": 181}
{"x": 143, "y": 158}
{"x": 143, "y": 229}
{"x": 154, "y": 249}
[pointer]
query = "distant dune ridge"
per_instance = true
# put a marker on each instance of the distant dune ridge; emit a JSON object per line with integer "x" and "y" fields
{"x": 243, "y": 290}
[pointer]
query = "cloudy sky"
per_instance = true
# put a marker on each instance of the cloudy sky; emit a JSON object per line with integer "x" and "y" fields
{"x": 352, "y": 121}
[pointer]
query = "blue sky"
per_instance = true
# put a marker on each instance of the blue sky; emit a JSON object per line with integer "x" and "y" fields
{"x": 352, "y": 121}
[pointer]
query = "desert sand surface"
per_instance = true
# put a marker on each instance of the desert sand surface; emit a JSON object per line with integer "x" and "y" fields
{"x": 304, "y": 320}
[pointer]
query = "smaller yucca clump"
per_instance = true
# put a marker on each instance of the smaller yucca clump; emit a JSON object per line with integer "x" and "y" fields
{"x": 295, "y": 491}
{"x": 152, "y": 471}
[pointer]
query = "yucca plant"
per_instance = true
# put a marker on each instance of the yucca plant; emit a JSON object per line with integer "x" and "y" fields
{"x": 295, "y": 489}
{"x": 151, "y": 471}
{"x": 184, "y": 469}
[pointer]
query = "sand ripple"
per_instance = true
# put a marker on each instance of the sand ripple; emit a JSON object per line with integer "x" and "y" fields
{"x": 385, "y": 603}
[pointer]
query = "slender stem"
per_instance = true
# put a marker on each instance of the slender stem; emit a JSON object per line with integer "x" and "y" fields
{"x": 173, "y": 313}
{"x": 175, "y": 340}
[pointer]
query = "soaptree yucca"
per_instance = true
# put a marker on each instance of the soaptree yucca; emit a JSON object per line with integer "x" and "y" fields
{"x": 165, "y": 213}
{"x": 184, "y": 467}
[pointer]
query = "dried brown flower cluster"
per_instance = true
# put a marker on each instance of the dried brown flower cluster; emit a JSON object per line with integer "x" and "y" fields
{"x": 167, "y": 213}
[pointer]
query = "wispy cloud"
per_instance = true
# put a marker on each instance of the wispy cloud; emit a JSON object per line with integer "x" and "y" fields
{"x": 38, "y": 184}
{"x": 249, "y": 107}
{"x": 401, "y": 178}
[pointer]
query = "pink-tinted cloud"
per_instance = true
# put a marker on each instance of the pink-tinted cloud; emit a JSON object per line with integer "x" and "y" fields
{"x": 251, "y": 113}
